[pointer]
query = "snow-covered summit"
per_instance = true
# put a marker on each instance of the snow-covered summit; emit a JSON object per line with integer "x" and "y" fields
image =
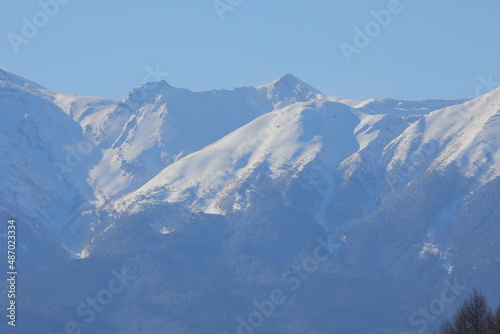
{"x": 289, "y": 89}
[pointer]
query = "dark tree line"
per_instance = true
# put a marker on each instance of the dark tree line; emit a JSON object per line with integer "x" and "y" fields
{"x": 473, "y": 317}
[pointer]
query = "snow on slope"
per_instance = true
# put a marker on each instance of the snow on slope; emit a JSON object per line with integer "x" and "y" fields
{"x": 279, "y": 144}
{"x": 275, "y": 143}
{"x": 466, "y": 135}
{"x": 158, "y": 124}
{"x": 167, "y": 144}
{"x": 327, "y": 146}
{"x": 75, "y": 106}
{"x": 35, "y": 135}
{"x": 45, "y": 158}
{"x": 397, "y": 107}
{"x": 78, "y": 107}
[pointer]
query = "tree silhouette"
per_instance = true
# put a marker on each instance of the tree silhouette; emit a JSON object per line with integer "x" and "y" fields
{"x": 473, "y": 317}
{"x": 495, "y": 322}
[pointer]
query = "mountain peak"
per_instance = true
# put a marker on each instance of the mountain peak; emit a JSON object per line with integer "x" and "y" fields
{"x": 289, "y": 78}
{"x": 289, "y": 89}
{"x": 292, "y": 82}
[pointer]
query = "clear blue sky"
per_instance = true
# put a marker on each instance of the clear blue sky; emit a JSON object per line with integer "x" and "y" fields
{"x": 430, "y": 49}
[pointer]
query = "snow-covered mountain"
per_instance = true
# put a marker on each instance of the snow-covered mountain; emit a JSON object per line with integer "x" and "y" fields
{"x": 218, "y": 195}
{"x": 158, "y": 124}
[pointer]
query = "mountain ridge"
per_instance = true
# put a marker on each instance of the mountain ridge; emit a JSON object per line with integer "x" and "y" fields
{"x": 215, "y": 195}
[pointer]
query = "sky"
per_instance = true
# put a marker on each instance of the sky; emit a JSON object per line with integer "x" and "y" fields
{"x": 407, "y": 49}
